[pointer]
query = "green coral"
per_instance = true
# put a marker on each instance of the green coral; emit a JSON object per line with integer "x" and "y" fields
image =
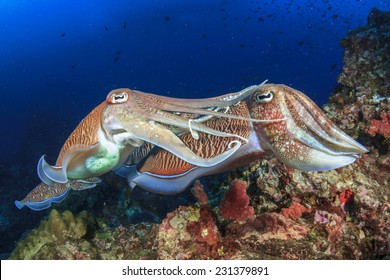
{"x": 58, "y": 228}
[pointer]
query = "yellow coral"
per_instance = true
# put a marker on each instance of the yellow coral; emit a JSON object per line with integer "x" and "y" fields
{"x": 56, "y": 229}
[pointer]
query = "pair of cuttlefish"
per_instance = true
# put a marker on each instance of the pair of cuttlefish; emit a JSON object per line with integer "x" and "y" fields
{"x": 163, "y": 144}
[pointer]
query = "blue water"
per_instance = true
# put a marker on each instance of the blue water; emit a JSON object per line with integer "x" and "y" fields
{"x": 59, "y": 59}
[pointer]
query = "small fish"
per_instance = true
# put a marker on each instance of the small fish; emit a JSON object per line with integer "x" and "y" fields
{"x": 106, "y": 27}
{"x": 125, "y": 25}
{"x": 62, "y": 35}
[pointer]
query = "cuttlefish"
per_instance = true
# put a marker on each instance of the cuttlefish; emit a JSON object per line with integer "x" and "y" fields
{"x": 301, "y": 136}
{"x": 98, "y": 145}
{"x": 49, "y": 191}
{"x": 169, "y": 142}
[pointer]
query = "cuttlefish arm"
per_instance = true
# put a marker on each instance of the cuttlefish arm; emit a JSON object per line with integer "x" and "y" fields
{"x": 207, "y": 107}
{"x": 177, "y": 104}
{"x": 42, "y": 196}
{"x": 307, "y": 140}
{"x": 163, "y": 172}
{"x": 159, "y": 135}
{"x": 155, "y": 119}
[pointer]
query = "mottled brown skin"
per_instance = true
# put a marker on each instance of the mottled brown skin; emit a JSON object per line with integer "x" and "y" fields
{"x": 85, "y": 133}
{"x": 304, "y": 119}
{"x": 276, "y": 136}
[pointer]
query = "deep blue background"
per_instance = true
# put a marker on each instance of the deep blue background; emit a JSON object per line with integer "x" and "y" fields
{"x": 60, "y": 58}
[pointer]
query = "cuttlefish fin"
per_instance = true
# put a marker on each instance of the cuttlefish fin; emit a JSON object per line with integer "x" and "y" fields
{"x": 74, "y": 159}
{"x": 162, "y": 173}
{"x": 166, "y": 139}
{"x": 84, "y": 184}
{"x": 50, "y": 174}
{"x": 168, "y": 185}
{"x": 42, "y": 196}
{"x": 57, "y": 174}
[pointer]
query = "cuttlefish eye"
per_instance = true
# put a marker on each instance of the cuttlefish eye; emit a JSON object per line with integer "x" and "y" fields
{"x": 264, "y": 97}
{"x": 115, "y": 98}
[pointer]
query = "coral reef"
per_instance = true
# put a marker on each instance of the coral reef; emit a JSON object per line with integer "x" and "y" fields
{"x": 360, "y": 103}
{"x": 189, "y": 233}
{"x": 295, "y": 211}
{"x": 281, "y": 213}
{"x": 235, "y": 205}
{"x": 56, "y": 229}
{"x": 200, "y": 194}
{"x": 74, "y": 237}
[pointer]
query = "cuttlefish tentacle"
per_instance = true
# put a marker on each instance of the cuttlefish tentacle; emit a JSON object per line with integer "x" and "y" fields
{"x": 220, "y": 101}
{"x": 141, "y": 126}
{"x": 191, "y": 125}
{"x": 322, "y": 127}
{"x": 164, "y": 173}
{"x": 201, "y": 106}
{"x": 140, "y": 120}
{"x": 159, "y": 135}
{"x": 307, "y": 140}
